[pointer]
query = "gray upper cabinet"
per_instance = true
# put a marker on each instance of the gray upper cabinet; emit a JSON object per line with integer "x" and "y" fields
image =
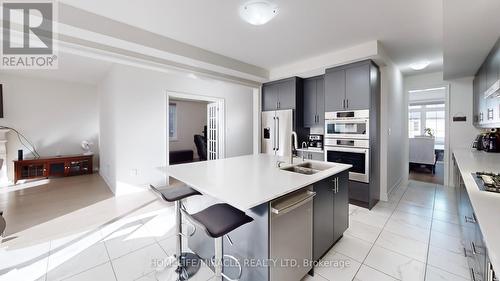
{"x": 335, "y": 90}
{"x": 286, "y": 95}
{"x": 310, "y": 102}
{"x": 475, "y": 89}
{"x": 358, "y": 87}
{"x": 320, "y": 100}
{"x": 487, "y": 111}
{"x": 349, "y": 87}
{"x": 282, "y": 94}
{"x": 269, "y": 97}
{"x": 314, "y": 101}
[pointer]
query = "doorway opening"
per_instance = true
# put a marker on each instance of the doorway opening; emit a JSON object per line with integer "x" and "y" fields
{"x": 427, "y": 129}
{"x": 195, "y": 128}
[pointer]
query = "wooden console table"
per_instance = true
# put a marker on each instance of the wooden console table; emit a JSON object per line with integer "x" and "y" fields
{"x": 62, "y": 166}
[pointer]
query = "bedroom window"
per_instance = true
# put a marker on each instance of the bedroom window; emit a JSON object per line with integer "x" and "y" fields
{"x": 431, "y": 116}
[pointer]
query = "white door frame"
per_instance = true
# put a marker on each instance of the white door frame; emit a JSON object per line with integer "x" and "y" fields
{"x": 194, "y": 97}
{"x": 447, "y": 124}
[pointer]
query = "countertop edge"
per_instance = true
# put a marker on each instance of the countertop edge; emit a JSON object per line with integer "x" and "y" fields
{"x": 318, "y": 177}
{"x": 475, "y": 195}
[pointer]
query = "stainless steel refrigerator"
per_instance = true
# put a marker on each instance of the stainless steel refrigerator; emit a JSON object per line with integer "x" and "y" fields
{"x": 276, "y": 132}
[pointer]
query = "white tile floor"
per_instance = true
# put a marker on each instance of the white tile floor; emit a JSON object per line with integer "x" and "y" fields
{"x": 413, "y": 236}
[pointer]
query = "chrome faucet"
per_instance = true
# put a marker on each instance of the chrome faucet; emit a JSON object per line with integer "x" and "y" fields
{"x": 304, "y": 145}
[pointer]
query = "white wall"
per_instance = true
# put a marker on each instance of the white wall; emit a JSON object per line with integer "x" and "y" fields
{"x": 391, "y": 129}
{"x": 191, "y": 118}
{"x": 133, "y": 123}
{"x": 55, "y": 115}
{"x": 460, "y": 103}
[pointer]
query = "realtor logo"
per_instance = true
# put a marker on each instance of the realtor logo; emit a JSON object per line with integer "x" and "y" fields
{"x": 28, "y": 35}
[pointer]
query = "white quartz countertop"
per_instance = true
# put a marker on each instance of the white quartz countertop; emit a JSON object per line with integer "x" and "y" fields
{"x": 486, "y": 205}
{"x": 247, "y": 181}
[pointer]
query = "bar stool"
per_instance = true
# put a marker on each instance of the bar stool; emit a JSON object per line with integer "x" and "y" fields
{"x": 218, "y": 221}
{"x": 186, "y": 266}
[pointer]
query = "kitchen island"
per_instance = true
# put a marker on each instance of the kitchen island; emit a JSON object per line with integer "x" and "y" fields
{"x": 252, "y": 183}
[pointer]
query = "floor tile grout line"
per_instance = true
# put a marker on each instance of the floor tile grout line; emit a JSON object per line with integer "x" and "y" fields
{"x": 48, "y": 259}
{"x": 90, "y": 268}
{"x": 378, "y": 236}
{"x": 110, "y": 261}
{"x": 430, "y": 234}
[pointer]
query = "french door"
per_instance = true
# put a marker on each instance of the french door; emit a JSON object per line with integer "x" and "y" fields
{"x": 213, "y": 134}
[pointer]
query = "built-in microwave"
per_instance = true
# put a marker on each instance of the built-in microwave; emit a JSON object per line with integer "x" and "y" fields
{"x": 347, "y": 124}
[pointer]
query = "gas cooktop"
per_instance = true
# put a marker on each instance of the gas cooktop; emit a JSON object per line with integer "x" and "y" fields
{"x": 488, "y": 181}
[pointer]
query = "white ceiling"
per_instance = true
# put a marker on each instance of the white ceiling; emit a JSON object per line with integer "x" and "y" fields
{"x": 409, "y": 30}
{"x": 71, "y": 68}
{"x": 471, "y": 28}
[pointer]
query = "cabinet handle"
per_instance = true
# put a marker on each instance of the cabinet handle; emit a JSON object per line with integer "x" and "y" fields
{"x": 343, "y": 105}
{"x": 336, "y": 185}
{"x": 347, "y": 103}
{"x": 465, "y": 252}
{"x": 473, "y": 248}
{"x": 469, "y": 219}
{"x": 472, "y": 274}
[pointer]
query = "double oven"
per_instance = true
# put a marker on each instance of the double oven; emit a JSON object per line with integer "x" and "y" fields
{"x": 347, "y": 141}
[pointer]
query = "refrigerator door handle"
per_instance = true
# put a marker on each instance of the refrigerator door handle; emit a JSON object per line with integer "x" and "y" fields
{"x": 274, "y": 133}
{"x": 278, "y": 134}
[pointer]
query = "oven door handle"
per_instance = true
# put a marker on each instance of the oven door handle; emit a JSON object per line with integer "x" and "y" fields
{"x": 344, "y": 121}
{"x": 347, "y": 149}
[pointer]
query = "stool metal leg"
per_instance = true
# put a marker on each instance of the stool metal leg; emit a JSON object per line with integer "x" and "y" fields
{"x": 178, "y": 224}
{"x": 218, "y": 258}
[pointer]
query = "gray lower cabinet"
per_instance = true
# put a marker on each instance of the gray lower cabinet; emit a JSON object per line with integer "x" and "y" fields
{"x": 331, "y": 213}
{"x": 474, "y": 248}
{"x": 314, "y": 101}
{"x": 349, "y": 87}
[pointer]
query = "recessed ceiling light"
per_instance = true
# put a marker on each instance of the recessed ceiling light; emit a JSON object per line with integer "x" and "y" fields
{"x": 420, "y": 65}
{"x": 258, "y": 12}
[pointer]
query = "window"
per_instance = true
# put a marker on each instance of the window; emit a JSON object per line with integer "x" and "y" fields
{"x": 172, "y": 121}
{"x": 427, "y": 116}
{"x": 414, "y": 127}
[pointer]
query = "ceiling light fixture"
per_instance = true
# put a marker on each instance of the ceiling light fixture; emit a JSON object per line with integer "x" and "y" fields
{"x": 258, "y": 12}
{"x": 420, "y": 65}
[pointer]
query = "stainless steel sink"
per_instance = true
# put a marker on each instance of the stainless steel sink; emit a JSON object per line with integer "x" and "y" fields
{"x": 316, "y": 166}
{"x": 307, "y": 168}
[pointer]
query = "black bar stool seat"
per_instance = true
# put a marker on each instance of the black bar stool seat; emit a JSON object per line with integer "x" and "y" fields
{"x": 176, "y": 194}
{"x": 220, "y": 219}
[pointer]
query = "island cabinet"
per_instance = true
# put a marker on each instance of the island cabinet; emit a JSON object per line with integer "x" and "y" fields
{"x": 282, "y": 94}
{"x": 486, "y": 111}
{"x": 349, "y": 87}
{"x": 314, "y": 101}
{"x": 331, "y": 212}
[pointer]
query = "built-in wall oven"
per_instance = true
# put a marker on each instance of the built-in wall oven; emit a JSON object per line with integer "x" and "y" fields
{"x": 347, "y": 124}
{"x": 347, "y": 141}
{"x": 352, "y": 152}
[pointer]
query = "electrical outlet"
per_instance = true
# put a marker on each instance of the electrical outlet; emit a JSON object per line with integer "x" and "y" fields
{"x": 134, "y": 172}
